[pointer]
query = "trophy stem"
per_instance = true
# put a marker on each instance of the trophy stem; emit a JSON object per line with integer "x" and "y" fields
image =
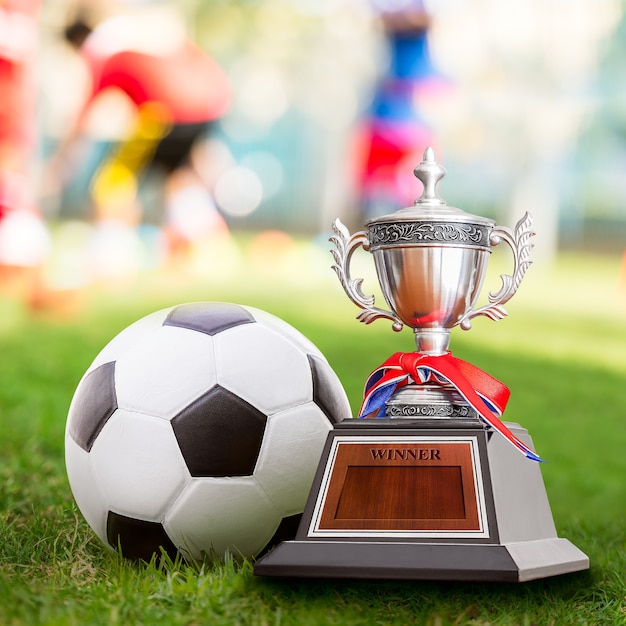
{"x": 433, "y": 341}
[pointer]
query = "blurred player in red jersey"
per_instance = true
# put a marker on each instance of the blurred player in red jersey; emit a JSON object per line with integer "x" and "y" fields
{"x": 23, "y": 236}
{"x": 176, "y": 91}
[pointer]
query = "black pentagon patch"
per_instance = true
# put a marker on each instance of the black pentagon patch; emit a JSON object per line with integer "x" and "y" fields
{"x": 93, "y": 404}
{"x": 210, "y": 318}
{"x": 286, "y": 531}
{"x": 220, "y": 434}
{"x": 138, "y": 539}
{"x": 326, "y": 390}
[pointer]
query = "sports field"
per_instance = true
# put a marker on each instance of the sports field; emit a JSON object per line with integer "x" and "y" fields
{"x": 562, "y": 352}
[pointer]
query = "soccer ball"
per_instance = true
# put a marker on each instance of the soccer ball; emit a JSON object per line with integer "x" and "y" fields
{"x": 198, "y": 430}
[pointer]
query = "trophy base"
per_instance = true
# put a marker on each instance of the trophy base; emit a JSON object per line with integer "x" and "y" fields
{"x": 424, "y": 499}
{"x": 517, "y": 562}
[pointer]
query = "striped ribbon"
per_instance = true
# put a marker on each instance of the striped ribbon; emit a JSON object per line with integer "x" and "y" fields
{"x": 486, "y": 395}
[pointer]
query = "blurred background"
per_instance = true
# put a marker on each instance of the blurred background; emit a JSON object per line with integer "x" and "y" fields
{"x": 154, "y": 152}
{"x": 288, "y": 113}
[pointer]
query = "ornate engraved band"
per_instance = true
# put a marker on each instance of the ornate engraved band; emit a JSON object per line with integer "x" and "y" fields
{"x": 429, "y": 410}
{"x": 429, "y": 233}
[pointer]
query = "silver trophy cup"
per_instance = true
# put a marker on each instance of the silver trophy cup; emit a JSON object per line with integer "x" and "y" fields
{"x": 431, "y": 261}
{"x": 424, "y": 498}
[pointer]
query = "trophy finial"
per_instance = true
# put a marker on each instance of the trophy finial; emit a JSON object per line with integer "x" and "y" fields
{"x": 430, "y": 173}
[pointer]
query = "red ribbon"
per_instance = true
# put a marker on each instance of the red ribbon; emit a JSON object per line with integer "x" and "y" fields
{"x": 485, "y": 394}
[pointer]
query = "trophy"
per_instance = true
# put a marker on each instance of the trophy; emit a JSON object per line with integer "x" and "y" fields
{"x": 430, "y": 483}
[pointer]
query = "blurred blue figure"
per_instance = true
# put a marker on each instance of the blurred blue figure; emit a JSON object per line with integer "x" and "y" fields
{"x": 395, "y": 133}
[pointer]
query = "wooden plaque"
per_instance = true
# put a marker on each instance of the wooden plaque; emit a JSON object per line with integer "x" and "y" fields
{"x": 410, "y": 486}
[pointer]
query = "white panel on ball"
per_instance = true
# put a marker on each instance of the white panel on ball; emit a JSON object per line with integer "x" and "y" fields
{"x": 222, "y": 514}
{"x": 85, "y": 488}
{"x": 263, "y": 367}
{"x": 284, "y": 328}
{"x": 129, "y": 337}
{"x": 288, "y": 459}
{"x": 139, "y": 466}
{"x": 164, "y": 373}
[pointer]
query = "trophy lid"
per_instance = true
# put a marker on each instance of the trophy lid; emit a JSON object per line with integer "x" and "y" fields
{"x": 430, "y": 206}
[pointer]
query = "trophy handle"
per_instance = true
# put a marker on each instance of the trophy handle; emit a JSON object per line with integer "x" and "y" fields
{"x": 519, "y": 242}
{"x": 346, "y": 245}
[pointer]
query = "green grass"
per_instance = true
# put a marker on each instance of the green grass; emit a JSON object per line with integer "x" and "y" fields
{"x": 562, "y": 352}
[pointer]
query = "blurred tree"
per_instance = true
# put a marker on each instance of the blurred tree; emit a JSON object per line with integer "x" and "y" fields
{"x": 598, "y": 184}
